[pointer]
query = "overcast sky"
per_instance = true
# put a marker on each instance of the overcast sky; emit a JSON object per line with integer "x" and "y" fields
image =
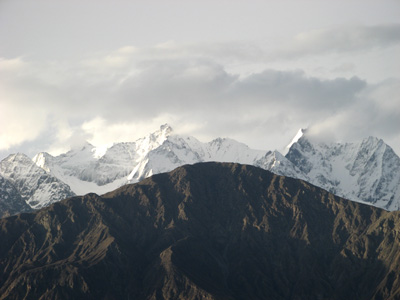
{"x": 255, "y": 71}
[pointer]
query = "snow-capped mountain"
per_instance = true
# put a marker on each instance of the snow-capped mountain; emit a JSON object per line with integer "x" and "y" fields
{"x": 179, "y": 150}
{"x": 158, "y": 152}
{"x": 85, "y": 171}
{"x": 47, "y": 178}
{"x": 35, "y": 186}
{"x": 275, "y": 162}
{"x": 366, "y": 171}
{"x": 298, "y": 135}
{"x": 11, "y": 201}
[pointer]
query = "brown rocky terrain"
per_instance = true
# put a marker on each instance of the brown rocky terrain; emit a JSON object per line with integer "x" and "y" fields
{"x": 205, "y": 231}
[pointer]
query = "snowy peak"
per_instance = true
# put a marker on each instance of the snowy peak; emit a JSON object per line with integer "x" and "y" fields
{"x": 153, "y": 140}
{"x": 298, "y": 135}
{"x": 11, "y": 202}
{"x": 80, "y": 154}
{"x": 178, "y": 150}
{"x": 366, "y": 171}
{"x": 43, "y": 160}
{"x": 15, "y": 164}
{"x": 228, "y": 150}
{"x": 18, "y": 157}
{"x": 165, "y": 130}
{"x": 34, "y": 185}
{"x": 86, "y": 168}
{"x": 371, "y": 140}
{"x": 161, "y": 135}
{"x": 277, "y": 163}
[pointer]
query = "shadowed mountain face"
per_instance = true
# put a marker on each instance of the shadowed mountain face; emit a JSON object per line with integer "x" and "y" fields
{"x": 206, "y": 231}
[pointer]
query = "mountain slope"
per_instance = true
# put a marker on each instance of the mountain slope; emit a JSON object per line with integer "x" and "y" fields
{"x": 34, "y": 185}
{"x": 367, "y": 171}
{"x": 11, "y": 202}
{"x": 205, "y": 231}
{"x": 280, "y": 165}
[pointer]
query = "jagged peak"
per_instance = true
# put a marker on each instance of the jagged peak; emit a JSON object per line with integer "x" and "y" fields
{"x": 372, "y": 142}
{"x": 278, "y": 155}
{"x": 41, "y": 159}
{"x": 153, "y": 140}
{"x": 161, "y": 134}
{"x": 221, "y": 141}
{"x": 83, "y": 146}
{"x": 17, "y": 162}
{"x": 372, "y": 139}
{"x": 300, "y": 133}
{"x": 41, "y": 155}
{"x": 166, "y": 129}
{"x": 18, "y": 157}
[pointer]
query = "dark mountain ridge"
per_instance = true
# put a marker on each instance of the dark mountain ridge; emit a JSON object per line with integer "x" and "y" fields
{"x": 204, "y": 231}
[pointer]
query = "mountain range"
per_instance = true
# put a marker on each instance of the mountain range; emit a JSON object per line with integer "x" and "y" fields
{"x": 203, "y": 231}
{"x": 367, "y": 171}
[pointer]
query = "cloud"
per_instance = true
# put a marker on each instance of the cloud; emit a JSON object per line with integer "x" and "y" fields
{"x": 314, "y": 43}
{"x": 16, "y": 123}
{"x": 375, "y": 113}
{"x": 129, "y": 92}
{"x": 295, "y": 89}
{"x": 344, "y": 67}
{"x": 340, "y": 40}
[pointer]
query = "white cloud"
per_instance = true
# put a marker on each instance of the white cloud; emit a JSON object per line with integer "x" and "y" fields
{"x": 19, "y": 120}
{"x": 19, "y": 125}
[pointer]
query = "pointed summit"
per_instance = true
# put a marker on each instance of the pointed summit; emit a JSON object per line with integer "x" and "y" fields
{"x": 81, "y": 145}
{"x": 162, "y": 134}
{"x": 159, "y": 136}
{"x": 42, "y": 160}
{"x": 166, "y": 129}
{"x": 298, "y": 135}
{"x": 18, "y": 157}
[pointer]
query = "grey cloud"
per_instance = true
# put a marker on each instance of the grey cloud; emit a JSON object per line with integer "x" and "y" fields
{"x": 185, "y": 86}
{"x": 175, "y": 86}
{"x": 345, "y": 67}
{"x": 298, "y": 90}
{"x": 339, "y": 40}
{"x": 342, "y": 39}
{"x": 375, "y": 113}
{"x": 270, "y": 104}
{"x": 201, "y": 87}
